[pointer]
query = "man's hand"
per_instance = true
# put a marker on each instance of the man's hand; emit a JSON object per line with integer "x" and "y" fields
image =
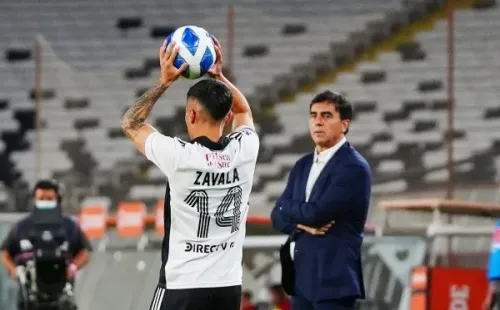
{"x": 316, "y": 231}
{"x": 133, "y": 122}
{"x": 71, "y": 271}
{"x": 216, "y": 70}
{"x": 169, "y": 73}
{"x": 240, "y": 109}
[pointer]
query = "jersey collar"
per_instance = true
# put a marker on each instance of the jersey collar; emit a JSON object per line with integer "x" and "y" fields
{"x": 214, "y": 146}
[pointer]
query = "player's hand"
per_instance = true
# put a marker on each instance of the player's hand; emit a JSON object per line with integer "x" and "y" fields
{"x": 314, "y": 230}
{"x": 169, "y": 73}
{"x": 216, "y": 70}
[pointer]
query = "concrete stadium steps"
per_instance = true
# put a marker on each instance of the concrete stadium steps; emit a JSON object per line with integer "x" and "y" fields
{"x": 405, "y": 129}
{"x": 82, "y": 60}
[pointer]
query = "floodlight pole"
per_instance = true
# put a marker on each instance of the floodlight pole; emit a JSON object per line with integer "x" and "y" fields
{"x": 38, "y": 105}
{"x": 230, "y": 37}
{"x": 451, "y": 99}
{"x": 451, "y": 112}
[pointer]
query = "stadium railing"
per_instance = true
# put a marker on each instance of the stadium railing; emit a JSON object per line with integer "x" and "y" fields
{"x": 458, "y": 241}
{"x": 446, "y": 221}
{"x": 385, "y": 251}
{"x": 132, "y": 223}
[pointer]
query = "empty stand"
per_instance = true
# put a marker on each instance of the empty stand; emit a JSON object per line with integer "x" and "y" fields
{"x": 98, "y": 59}
{"x": 95, "y": 65}
{"x": 401, "y": 106}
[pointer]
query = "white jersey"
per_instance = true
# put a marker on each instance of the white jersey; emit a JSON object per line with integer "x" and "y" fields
{"x": 210, "y": 185}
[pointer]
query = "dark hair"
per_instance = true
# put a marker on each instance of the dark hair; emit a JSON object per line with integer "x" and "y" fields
{"x": 48, "y": 185}
{"x": 341, "y": 104}
{"x": 215, "y": 97}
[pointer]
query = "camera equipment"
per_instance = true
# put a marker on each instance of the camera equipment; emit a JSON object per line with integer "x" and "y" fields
{"x": 42, "y": 267}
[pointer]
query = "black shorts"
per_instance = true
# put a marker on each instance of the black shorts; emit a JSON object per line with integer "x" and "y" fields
{"x": 217, "y": 298}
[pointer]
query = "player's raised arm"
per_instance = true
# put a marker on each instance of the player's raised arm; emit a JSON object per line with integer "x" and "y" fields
{"x": 133, "y": 122}
{"x": 242, "y": 114}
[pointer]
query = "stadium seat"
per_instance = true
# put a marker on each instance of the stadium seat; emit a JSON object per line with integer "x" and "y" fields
{"x": 161, "y": 31}
{"x": 96, "y": 60}
{"x": 255, "y": 50}
{"x": 406, "y": 97}
{"x": 93, "y": 71}
{"x": 293, "y": 29}
{"x": 17, "y": 54}
{"x": 76, "y": 103}
{"x": 126, "y": 23}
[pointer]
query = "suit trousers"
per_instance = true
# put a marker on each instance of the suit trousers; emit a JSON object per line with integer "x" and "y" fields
{"x": 300, "y": 303}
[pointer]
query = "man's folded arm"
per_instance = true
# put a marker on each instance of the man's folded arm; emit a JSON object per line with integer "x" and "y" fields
{"x": 281, "y": 222}
{"x": 334, "y": 203}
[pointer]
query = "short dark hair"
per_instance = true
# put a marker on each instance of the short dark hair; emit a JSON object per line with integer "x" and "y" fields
{"x": 342, "y": 105}
{"x": 48, "y": 185}
{"x": 214, "y": 96}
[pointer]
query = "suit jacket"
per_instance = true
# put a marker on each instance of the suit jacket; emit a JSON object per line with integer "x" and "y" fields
{"x": 327, "y": 267}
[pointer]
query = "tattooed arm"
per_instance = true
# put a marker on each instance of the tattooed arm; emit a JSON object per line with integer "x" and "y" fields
{"x": 133, "y": 123}
{"x": 241, "y": 112}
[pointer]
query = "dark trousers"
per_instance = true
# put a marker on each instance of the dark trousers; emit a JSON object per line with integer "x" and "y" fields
{"x": 300, "y": 303}
{"x": 220, "y": 298}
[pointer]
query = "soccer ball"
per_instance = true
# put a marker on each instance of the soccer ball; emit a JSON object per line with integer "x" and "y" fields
{"x": 196, "y": 48}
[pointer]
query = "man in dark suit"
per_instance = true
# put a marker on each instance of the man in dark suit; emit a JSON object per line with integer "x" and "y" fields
{"x": 324, "y": 209}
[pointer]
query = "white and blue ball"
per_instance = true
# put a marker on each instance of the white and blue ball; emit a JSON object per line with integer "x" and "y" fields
{"x": 196, "y": 48}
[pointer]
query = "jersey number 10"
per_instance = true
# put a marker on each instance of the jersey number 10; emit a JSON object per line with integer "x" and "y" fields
{"x": 199, "y": 199}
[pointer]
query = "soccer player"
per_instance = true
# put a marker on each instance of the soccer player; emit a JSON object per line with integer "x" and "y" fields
{"x": 209, "y": 184}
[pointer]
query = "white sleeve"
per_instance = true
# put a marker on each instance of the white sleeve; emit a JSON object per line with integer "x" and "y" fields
{"x": 248, "y": 139}
{"x": 161, "y": 150}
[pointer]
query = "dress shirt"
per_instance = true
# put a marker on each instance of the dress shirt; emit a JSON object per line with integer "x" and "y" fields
{"x": 320, "y": 160}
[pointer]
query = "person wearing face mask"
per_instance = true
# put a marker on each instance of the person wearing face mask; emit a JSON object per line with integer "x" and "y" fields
{"x": 47, "y": 202}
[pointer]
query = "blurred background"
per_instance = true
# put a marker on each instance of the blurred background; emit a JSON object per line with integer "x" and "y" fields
{"x": 423, "y": 76}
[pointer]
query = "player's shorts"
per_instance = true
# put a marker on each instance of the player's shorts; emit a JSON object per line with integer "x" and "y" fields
{"x": 220, "y": 298}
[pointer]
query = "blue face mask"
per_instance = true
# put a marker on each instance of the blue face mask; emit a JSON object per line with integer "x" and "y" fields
{"x": 45, "y": 204}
